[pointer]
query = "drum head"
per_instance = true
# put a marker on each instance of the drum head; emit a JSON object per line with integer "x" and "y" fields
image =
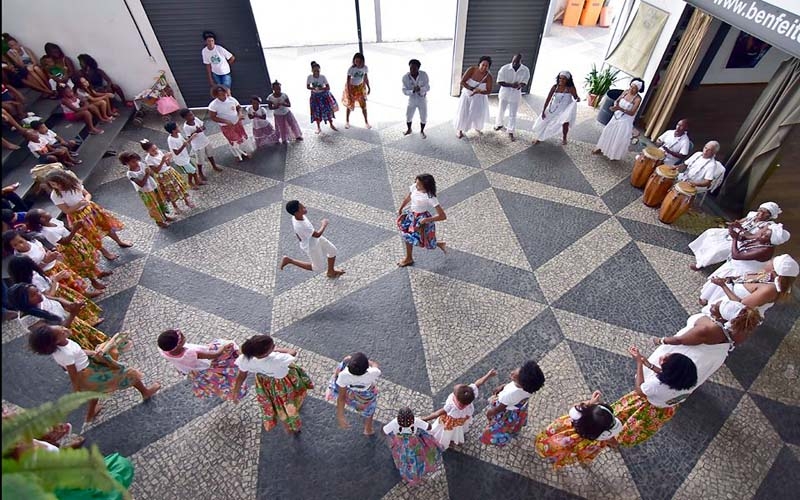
{"x": 686, "y": 188}
{"x": 654, "y": 153}
{"x": 665, "y": 171}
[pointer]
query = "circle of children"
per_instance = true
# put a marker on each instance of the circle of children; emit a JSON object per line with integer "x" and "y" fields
{"x": 53, "y": 262}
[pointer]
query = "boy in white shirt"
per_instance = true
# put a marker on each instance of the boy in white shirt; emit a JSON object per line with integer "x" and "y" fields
{"x": 316, "y": 246}
{"x": 217, "y": 60}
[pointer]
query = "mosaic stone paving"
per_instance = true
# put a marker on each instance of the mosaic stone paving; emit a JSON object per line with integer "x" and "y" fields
{"x": 553, "y": 258}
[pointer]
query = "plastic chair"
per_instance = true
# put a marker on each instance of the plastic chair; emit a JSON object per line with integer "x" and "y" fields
{"x": 716, "y": 182}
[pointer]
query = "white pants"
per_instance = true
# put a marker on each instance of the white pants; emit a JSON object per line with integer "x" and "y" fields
{"x": 414, "y": 103}
{"x": 512, "y": 114}
{"x": 319, "y": 251}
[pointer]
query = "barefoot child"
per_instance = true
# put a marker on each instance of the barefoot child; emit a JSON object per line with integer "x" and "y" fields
{"x": 316, "y": 246}
{"x": 285, "y": 123}
{"x": 201, "y": 144}
{"x": 170, "y": 183}
{"x": 263, "y": 132}
{"x": 281, "y": 386}
{"x": 508, "y": 411}
{"x": 416, "y": 453}
{"x": 353, "y": 384}
{"x": 416, "y": 224}
{"x": 211, "y": 368}
{"x": 579, "y": 436}
{"x": 145, "y": 184}
{"x": 179, "y": 146}
{"x": 452, "y": 421}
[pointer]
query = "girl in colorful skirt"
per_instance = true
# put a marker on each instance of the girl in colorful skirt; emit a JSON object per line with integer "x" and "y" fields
{"x": 170, "y": 183}
{"x": 211, "y": 368}
{"x": 416, "y": 453}
{"x": 179, "y": 147}
{"x": 24, "y": 270}
{"x": 144, "y": 182}
{"x": 452, "y": 421}
{"x": 263, "y": 132}
{"x": 226, "y": 111}
{"x": 353, "y": 384}
{"x": 79, "y": 254}
{"x": 657, "y": 395}
{"x": 323, "y": 104}
{"x": 417, "y": 225}
{"x": 35, "y": 309}
{"x": 88, "y": 370}
{"x": 21, "y": 243}
{"x": 579, "y": 436}
{"x": 508, "y": 406}
{"x": 69, "y": 195}
{"x": 285, "y": 123}
{"x": 356, "y": 89}
{"x": 281, "y": 386}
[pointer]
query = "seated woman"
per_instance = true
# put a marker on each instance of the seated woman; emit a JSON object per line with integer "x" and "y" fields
{"x": 56, "y": 74}
{"x": 87, "y": 93}
{"x": 75, "y": 110}
{"x": 101, "y": 108}
{"x": 26, "y": 68}
{"x": 725, "y": 321}
{"x": 98, "y": 78}
{"x": 61, "y": 62}
{"x": 762, "y": 289}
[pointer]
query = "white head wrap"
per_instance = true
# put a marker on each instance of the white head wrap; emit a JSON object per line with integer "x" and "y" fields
{"x": 637, "y": 83}
{"x": 566, "y": 74}
{"x": 611, "y": 433}
{"x": 785, "y": 265}
{"x": 730, "y": 309}
{"x": 771, "y": 207}
{"x": 778, "y": 235}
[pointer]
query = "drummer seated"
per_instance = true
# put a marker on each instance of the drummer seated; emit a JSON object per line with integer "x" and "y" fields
{"x": 675, "y": 143}
{"x": 702, "y": 168}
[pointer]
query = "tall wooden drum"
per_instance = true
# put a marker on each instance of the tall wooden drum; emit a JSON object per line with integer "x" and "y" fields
{"x": 645, "y": 163}
{"x": 677, "y": 202}
{"x": 658, "y": 185}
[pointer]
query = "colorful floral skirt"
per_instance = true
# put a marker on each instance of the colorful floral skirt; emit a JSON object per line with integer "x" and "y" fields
{"x": 287, "y": 127}
{"x": 72, "y": 279}
{"x": 171, "y": 186}
{"x": 359, "y": 93}
{"x": 505, "y": 426}
{"x": 323, "y": 107}
{"x": 218, "y": 380}
{"x": 85, "y": 335}
{"x": 236, "y": 134}
{"x": 416, "y": 455}
{"x": 364, "y": 402}
{"x": 155, "y": 204}
{"x": 97, "y": 222}
{"x": 561, "y": 446}
{"x": 90, "y": 313}
{"x": 264, "y": 133}
{"x": 281, "y": 399}
{"x": 106, "y": 375}
{"x": 81, "y": 256}
{"x": 640, "y": 420}
{"x": 414, "y": 233}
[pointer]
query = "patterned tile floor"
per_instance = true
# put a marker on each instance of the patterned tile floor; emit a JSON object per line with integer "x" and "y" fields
{"x": 553, "y": 258}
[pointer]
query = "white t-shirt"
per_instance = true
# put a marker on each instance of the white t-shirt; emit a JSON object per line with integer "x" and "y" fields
{"x": 188, "y": 360}
{"x": 275, "y": 365}
{"x": 452, "y": 409}
{"x": 303, "y": 229}
{"x": 678, "y": 144}
{"x": 174, "y": 143}
{"x": 149, "y": 186}
{"x": 318, "y": 83}
{"x": 508, "y": 74}
{"x": 225, "y": 109}
{"x": 50, "y": 136}
{"x": 49, "y": 305}
{"x": 155, "y": 161}
{"x": 358, "y": 382}
{"x": 36, "y": 147}
{"x": 199, "y": 141}
{"x": 511, "y": 395}
{"x": 357, "y": 75}
{"x": 421, "y": 202}
{"x": 283, "y": 99}
{"x": 218, "y": 59}
{"x": 56, "y": 233}
{"x": 393, "y": 427}
{"x": 71, "y": 354}
{"x": 42, "y": 283}
{"x": 699, "y": 169}
{"x": 68, "y": 198}
{"x": 37, "y": 254}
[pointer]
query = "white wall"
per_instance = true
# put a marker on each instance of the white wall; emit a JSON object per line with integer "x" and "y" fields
{"x": 410, "y": 20}
{"x": 111, "y": 39}
{"x": 762, "y": 73}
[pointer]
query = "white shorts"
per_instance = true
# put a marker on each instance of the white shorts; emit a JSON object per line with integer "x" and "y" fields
{"x": 319, "y": 251}
{"x": 201, "y": 156}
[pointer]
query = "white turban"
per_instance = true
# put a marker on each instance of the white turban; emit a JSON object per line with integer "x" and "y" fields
{"x": 771, "y": 207}
{"x": 785, "y": 265}
{"x": 566, "y": 74}
{"x": 730, "y": 309}
{"x": 778, "y": 235}
{"x": 637, "y": 83}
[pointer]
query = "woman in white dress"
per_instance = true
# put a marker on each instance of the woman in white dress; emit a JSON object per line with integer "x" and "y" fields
{"x": 559, "y": 111}
{"x": 473, "y": 107}
{"x": 616, "y": 136}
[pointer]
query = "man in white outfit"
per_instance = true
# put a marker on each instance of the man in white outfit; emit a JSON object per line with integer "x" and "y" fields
{"x": 416, "y": 87}
{"x": 675, "y": 143}
{"x": 702, "y": 168}
{"x": 512, "y": 78}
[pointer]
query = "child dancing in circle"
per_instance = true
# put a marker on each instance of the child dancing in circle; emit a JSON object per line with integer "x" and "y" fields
{"x": 353, "y": 384}
{"x": 416, "y": 224}
{"x": 416, "y": 453}
{"x": 452, "y": 422}
{"x": 321, "y": 251}
{"x": 508, "y": 411}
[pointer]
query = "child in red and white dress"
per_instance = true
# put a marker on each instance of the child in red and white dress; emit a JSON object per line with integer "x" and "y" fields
{"x": 452, "y": 422}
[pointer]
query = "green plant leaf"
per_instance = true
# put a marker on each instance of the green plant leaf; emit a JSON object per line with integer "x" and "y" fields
{"x": 24, "y": 486}
{"x": 32, "y": 423}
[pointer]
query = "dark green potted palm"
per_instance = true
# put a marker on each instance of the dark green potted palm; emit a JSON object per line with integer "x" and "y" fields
{"x": 598, "y": 82}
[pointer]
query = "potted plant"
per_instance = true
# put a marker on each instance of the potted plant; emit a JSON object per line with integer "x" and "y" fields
{"x": 598, "y": 82}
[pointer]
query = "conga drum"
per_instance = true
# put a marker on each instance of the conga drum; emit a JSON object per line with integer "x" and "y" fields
{"x": 644, "y": 165}
{"x": 677, "y": 202}
{"x": 658, "y": 185}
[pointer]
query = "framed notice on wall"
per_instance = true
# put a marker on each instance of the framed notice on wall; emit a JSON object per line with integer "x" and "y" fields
{"x": 633, "y": 51}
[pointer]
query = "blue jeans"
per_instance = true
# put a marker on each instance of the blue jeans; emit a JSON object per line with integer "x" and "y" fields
{"x": 222, "y": 79}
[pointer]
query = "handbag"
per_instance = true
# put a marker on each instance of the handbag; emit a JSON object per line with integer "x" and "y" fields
{"x": 167, "y": 103}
